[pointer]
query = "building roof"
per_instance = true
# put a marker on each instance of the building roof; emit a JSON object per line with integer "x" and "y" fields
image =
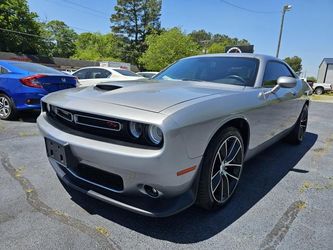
{"x": 327, "y": 61}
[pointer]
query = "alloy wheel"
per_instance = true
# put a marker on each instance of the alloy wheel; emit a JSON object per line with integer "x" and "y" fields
{"x": 303, "y": 123}
{"x": 226, "y": 169}
{"x": 4, "y": 107}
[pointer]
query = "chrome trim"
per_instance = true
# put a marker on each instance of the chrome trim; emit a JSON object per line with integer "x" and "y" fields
{"x": 64, "y": 111}
{"x": 91, "y": 117}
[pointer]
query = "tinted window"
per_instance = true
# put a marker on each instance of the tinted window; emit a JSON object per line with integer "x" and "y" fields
{"x": 273, "y": 71}
{"x": 35, "y": 68}
{"x": 225, "y": 70}
{"x": 81, "y": 74}
{"x": 3, "y": 70}
{"x": 92, "y": 73}
{"x": 125, "y": 72}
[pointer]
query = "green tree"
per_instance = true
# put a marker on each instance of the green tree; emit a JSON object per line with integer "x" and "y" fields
{"x": 16, "y": 16}
{"x": 62, "y": 38}
{"x": 295, "y": 63}
{"x": 167, "y": 48}
{"x": 201, "y": 36}
{"x": 221, "y": 41}
{"x": 94, "y": 46}
{"x": 134, "y": 20}
{"x": 311, "y": 79}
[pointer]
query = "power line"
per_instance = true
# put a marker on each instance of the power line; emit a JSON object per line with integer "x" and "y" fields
{"x": 86, "y": 7}
{"x": 249, "y": 10}
{"x": 24, "y": 33}
{"x": 80, "y": 7}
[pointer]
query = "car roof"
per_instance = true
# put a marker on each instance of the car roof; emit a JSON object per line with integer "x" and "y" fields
{"x": 102, "y": 67}
{"x": 244, "y": 55}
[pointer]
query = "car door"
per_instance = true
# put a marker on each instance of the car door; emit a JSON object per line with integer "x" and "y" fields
{"x": 92, "y": 76}
{"x": 3, "y": 79}
{"x": 275, "y": 112}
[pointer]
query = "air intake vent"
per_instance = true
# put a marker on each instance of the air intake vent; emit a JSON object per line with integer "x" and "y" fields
{"x": 107, "y": 87}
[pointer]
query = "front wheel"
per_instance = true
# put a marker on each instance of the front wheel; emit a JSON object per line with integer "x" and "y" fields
{"x": 297, "y": 134}
{"x": 221, "y": 169}
{"x": 7, "y": 108}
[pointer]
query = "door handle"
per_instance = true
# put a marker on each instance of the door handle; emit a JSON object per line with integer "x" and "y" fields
{"x": 293, "y": 93}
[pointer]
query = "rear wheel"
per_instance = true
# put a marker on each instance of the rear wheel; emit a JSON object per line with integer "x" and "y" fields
{"x": 319, "y": 90}
{"x": 221, "y": 169}
{"x": 297, "y": 134}
{"x": 7, "y": 108}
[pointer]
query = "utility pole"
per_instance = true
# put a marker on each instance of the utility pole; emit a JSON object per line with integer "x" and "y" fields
{"x": 286, "y": 8}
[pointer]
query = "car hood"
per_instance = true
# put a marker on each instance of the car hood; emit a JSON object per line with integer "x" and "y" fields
{"x": 149, "y": 95}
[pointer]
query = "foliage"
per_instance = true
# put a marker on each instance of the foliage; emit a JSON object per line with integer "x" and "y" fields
{"x": 201, "y": 36}
{"x": 295, "y": 63}
{"x": 94, "y": 46}
{"x": 167, "y": 48}
{"x": 220, "y": 42}
{"x": 134, "y": 20}
{"x": 62, "y": 38}
{"x": 311, "y": 79}
{"x": 214, "y": 43}
{"x": 15, "y": 15}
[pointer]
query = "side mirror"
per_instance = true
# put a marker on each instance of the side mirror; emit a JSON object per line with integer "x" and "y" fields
{"x": 282, "y": 82}
{"x": 286, "y": 82}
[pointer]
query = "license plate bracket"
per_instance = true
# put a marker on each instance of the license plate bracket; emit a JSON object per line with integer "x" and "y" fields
{"x": 57, "y": 151}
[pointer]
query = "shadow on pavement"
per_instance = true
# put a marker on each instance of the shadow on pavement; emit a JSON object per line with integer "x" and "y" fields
{"x": 259, "y": 176}
{"x": 28, "y": 116}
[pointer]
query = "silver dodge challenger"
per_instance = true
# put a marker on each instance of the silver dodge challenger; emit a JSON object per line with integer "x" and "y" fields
{"x": 156, "y": 147}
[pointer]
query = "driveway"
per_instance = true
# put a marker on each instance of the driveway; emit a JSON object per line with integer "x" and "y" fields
{"x": 284, "y": 200}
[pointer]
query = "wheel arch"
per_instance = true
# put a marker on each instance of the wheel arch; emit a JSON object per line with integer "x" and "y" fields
{"x": 239, "y": 123}
{"x": 4, "y": 92}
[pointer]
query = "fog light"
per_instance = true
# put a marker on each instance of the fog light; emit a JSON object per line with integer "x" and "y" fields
{"x": 151, "y": 191}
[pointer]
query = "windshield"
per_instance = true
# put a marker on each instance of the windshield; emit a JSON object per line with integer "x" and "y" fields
{"x": 35, "y": 68}
{"x": 225, "y": 70}
{"x": 125, "y": 72}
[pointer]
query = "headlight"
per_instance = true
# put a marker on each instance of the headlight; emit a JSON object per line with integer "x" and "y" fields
{"x": 135, "y": 129}
{"x": 155, "y": 134}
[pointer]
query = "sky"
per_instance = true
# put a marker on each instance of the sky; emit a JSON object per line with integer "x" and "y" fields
{"x": 308, "y": 27}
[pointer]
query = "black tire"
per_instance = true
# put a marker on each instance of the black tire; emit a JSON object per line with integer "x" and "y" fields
{"x": 297, "y": 134}
{"x": 7, "y": 108}
{"x": 217, "y": 152}
{"x": 319, "y": 90}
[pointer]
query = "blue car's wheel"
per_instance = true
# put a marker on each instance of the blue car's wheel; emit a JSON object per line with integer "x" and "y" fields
{"x": 7, "y": 108}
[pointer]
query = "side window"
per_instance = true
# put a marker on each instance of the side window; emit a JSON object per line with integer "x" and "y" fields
{"x": 82, "y": 74}
{"x": 99, "y": 73}
{"x": 273, "y": 71}
{"x": 3, "y": 70}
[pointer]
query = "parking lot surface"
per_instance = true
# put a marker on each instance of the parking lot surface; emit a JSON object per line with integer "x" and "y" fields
{"x": 284, "y": 201}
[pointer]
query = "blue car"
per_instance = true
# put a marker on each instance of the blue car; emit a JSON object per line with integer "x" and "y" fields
{"x": 23, "y": 84}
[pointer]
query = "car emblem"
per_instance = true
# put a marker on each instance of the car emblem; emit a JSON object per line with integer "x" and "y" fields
{"x": 113, "y": 125}
{"x": 63, "y": 79}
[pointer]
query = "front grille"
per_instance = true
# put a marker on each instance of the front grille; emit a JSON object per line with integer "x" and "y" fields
{"x": 89, "y": 123}
{"x": 94, "y": 126}
{"x": 95, "y": 122}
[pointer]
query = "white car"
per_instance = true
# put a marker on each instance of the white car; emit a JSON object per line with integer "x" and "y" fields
{"x": 320, "y": 88}
{"x": 91, "y": 75}
{"x": 148, "y": 74}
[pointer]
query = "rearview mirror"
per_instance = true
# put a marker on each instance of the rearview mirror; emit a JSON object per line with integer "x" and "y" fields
{"x": 286, "y": 82}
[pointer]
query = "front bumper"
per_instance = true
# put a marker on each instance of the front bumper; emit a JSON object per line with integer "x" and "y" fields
{"x": 136, "y": 166}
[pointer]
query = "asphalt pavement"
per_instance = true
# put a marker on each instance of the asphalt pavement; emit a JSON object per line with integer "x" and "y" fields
{"x": 284, "y": 200}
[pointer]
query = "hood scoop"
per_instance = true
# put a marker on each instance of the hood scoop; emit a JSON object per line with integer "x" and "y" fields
{"x": 107, "y": 87}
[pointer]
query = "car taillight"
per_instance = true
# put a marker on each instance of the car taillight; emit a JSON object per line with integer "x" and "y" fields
{"x": 32, "y": 81}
